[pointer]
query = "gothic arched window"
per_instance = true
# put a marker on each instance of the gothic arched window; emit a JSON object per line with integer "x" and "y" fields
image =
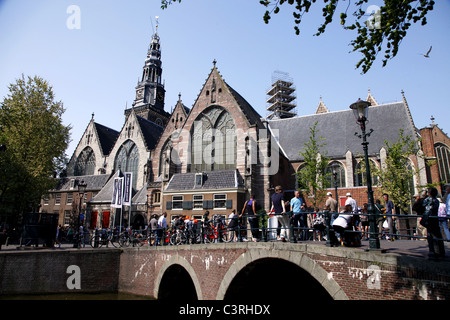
{"x": 443, "y": 161}
{"x": 338, "y": 168}
{"x": 360, "y": 174}
{"x": 85, "y": 164}
{"x": 213, "y": 141}
{"x": 127, "y": 159}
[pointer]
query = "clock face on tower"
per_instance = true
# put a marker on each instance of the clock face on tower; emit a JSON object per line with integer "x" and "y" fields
{"x": 160, "y": 96}
{"x": 140, "y": 94}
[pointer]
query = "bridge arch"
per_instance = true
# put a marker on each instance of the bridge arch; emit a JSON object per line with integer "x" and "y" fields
{"x": 176, "y": 268}
{"x": 253, "y": 256}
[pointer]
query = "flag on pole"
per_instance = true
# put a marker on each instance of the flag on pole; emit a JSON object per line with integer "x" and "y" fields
{"x": 116, "y": 201}
{"x": 128, "y": 188}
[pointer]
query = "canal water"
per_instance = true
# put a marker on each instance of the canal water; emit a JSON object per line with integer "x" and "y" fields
{"x": 76, "y": 296}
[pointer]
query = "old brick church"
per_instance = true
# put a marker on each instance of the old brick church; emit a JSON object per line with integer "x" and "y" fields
{"x": 212, "y": 156}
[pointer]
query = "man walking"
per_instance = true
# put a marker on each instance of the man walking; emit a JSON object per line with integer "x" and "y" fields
{"x": 296, "y": 205}
{"x": 162, "y": 225}
{"x": 351, "y": 202}
{"x": 278, "y": 206}
{"x": 331, "y": 203}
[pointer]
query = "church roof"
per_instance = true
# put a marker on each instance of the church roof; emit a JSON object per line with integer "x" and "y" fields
{"x": 150, "y": 131}
{"x": 251, "y": 114}
{"x": 338, "y": 128}
{"x": 107, "y": 137}
{"x": 105, "y": 194}
{"x": 220, "y": 179}
{"x": 140, "y": 198}
{"x": 93, "y": 182}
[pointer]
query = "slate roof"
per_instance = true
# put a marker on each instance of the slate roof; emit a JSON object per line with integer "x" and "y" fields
{"x": 338, "y": 128}
{"x": 93, "y": 182}
{"x": 107, "y": 137}
{"x": 220, "y": 179}
{"x": 141, "y": 196}
{"x": 251, "y": 114}
{"x": 151, "y": 132}
{"x": 105, "y": 194}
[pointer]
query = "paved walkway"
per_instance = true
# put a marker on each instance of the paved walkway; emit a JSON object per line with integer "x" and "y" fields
{"x": 415, "y": 248}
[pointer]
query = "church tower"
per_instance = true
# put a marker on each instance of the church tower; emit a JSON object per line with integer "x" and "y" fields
{"x": 150, "y": 92}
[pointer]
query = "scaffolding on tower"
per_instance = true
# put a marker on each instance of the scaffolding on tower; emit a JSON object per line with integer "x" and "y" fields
{"x": 281, "y": 97}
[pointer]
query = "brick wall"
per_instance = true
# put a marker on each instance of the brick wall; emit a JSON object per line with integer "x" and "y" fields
{"x": 45, "y": 271}
{"x": 346, "y": 273}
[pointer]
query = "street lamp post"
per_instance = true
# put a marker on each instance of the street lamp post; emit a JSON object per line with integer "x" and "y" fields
{"x": 360, "y": 109}
{"x": 81, "y": 190}
{"x": 335, "y": 182}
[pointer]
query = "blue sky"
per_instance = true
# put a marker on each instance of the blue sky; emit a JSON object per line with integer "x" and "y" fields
{"x": 95, "y": 69}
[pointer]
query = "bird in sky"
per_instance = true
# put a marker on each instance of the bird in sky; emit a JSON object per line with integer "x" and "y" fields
{"x": 427, "y": 55}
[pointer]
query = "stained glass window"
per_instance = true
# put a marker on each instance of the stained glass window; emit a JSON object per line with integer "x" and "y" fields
{"x": 85, "y": 164}
{"x": 127, "y": 159}
{"x": 337, "y": 167}
{"x": 213, "y": 141}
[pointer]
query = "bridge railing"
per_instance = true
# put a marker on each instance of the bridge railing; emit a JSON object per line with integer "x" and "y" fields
{"x": 308, "y": 226}
{"x": 265, "y": 227}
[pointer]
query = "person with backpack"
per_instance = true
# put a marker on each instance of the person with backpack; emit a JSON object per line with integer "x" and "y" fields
{"x": 431, "y": 222}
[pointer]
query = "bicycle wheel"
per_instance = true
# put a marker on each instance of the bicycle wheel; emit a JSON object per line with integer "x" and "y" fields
{"x": 138, "y": 240}
{"x": 228, "y": 235}
{"x": 114, "y": 241}
{"x": 208, "y": 236}
{"x": 124, "y": 241}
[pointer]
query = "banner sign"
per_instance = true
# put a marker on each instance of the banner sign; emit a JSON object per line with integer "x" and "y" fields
{"x": 128, "y": 188}
{"x": 116, "y": 201}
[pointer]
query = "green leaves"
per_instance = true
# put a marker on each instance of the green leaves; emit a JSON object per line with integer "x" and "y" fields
{"x": 377, "y": 29}
{"x": 397, "y": 174}
{"x": 312, "y": 176}
{"x": 31, "y": 127}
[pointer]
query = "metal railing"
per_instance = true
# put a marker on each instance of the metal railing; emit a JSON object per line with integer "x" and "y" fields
{"x": 260, "y": 227}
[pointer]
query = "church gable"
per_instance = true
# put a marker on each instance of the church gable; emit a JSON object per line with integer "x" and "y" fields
{"x": 216, "y": 91}
{"x": 168, "y": 138}
{"x": 321, "y": 107}
{"x": 94, "y": 146}
{"x": 218, "y": 107}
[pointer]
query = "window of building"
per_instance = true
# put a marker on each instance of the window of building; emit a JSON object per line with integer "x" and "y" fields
{"x": 58, "y": 199}
{"x": 198, "y": 201}
{"x": 127, "y": 159}
{"x": 443, "y": 161}
{"x": 85, "y": 164}
{"x": 156, "y": 197}
{"x": 69, "y": 198}
{"x": 338, "y": 168}
{"x": 220, "y": 201}
{"x": 177, "y": 202}
{"x": 66, "y": 217}
{"x": 360, "y": 174}
{"x": 213, "y": 141}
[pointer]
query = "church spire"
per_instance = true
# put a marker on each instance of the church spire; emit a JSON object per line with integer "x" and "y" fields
{"x": 150, "y": 90}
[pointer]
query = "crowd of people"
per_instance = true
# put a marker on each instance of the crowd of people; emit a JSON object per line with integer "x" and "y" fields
{"x": 351, "y": 224}
{"x": 347, "y": 227}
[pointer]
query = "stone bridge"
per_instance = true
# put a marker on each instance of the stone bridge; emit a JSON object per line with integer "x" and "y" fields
{"x": 232, "y": 271}
{"x": 263, "y": 270}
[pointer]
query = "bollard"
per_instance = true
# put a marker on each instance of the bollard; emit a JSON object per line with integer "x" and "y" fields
{"x": 239, "y": 230}
{"x": 292, "y": 239}
{"x": 263, "y": 228}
